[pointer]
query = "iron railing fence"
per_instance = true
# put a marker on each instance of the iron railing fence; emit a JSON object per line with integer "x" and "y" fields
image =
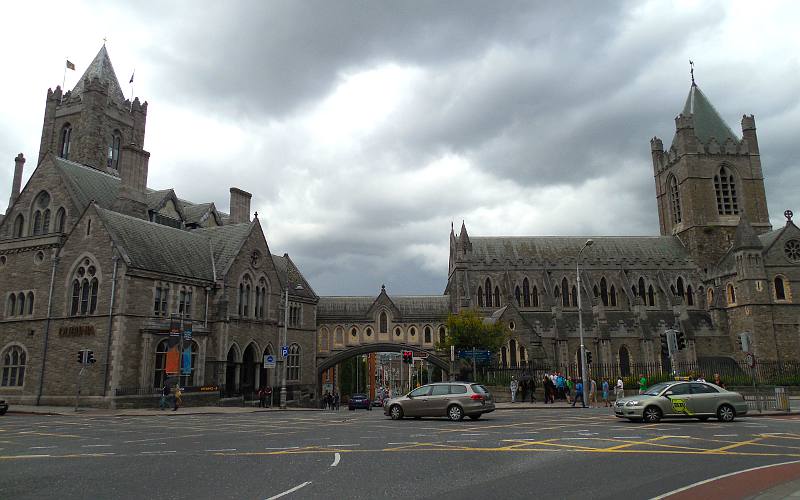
{"x": 732, "y": 373}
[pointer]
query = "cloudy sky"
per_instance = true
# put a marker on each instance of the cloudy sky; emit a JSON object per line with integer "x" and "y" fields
{"x": 364, "y": 128}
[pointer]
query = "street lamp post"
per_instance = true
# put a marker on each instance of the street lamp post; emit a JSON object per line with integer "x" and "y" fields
{"x": 580, "y": 320}
{"x": 285, "y": 341}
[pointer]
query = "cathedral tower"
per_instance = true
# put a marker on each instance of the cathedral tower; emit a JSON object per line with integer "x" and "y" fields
{"x": 707, "y": 179}
{"x": 90, "y": 123}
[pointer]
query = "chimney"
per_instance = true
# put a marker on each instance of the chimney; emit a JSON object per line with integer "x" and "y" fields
{"x": 19, "y": 162}
{"x": 240, "y": 206}
{"x": 131, "y": 196}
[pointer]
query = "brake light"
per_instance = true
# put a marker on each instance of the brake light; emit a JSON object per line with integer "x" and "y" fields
{"x": 477, "y": 397}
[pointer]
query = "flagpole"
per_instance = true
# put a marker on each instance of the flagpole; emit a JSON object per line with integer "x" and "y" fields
{"x": 131, "y": 82}
{"x": 64, "y": 81}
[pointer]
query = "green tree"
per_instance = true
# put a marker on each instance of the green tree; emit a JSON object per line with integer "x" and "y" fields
{"x": 466, "y": 330}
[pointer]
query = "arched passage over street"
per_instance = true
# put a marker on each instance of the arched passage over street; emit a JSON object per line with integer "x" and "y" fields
{"x": 342, "y": 355}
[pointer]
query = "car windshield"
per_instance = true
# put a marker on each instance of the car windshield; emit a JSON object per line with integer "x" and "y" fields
{"x": 655, "y": 390}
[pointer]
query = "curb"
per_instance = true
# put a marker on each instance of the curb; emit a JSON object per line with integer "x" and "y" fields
{"x": 155, "y": 413}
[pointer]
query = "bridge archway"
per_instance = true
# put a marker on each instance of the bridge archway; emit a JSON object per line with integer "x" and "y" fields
{"x": 345, "y": 354}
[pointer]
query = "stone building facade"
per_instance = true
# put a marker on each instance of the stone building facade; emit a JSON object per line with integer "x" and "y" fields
{"x": 91, "y": 258}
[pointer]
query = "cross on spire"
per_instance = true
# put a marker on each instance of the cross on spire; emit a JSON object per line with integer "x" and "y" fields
{"x": 691, "y": 71}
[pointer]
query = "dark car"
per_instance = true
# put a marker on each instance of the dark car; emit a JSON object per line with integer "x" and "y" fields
{"x": 3, "y": 407}
{"x": 359, "y": 401}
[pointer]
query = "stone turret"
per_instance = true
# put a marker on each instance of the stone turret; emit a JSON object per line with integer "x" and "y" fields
{"x": 240, "y": 206}
{"x": 19, "y": 163}
{"x": 131, "y": 197}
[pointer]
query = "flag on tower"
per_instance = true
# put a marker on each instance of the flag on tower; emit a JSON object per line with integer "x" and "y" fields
{"x": 134, "y": 72}
{"x": 70, "y": 65}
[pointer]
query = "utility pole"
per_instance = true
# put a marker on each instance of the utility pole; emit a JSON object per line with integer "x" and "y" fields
{"x": 584, "y": 375}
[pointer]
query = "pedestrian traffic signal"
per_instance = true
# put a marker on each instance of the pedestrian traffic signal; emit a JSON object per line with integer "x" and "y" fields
{"x": 81, "y": 357}
{"x": 664, "y": 345}
{"x": 681, "y": 338}
{"x": 408, "y": 357}
{"x": 588, "y": 357}
{"x": 90, "y": 357}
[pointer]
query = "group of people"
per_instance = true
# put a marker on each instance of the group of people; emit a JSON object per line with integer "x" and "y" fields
{"x": 569, "y": 389}
{"x": 526, "y": 387}
{"x": 170, "y": 397}
{"x": 330, "y": 401}
{"x": 265, "y": 396}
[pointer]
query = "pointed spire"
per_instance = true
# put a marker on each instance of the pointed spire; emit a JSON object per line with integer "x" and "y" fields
{"x": 101, "y": 69}
{"x": 745, "y": 236}
{"x": 691, "y": 71}
{"x": 707, "y": 121}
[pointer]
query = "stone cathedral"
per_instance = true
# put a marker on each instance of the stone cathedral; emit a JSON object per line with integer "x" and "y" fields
{"x": 92, "y": 257}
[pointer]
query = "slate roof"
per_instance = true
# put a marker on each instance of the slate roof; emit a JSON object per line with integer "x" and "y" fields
{"x": 768, "y": 238}
{"x": 101, "y": 68}
{"x": 194, "y": 213}
{"x": 614, "y": 250}
{"x": 295, "y": 278}
{"x": 707, "y": 121}
{"x": 164, "y": 249}
{"x": 410, "y": 306}
{"x": 745, "y": 236}
{"x": 87, "y": 183}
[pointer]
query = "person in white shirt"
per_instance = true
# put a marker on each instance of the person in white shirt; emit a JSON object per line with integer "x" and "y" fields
{"x": 619, "y": 389}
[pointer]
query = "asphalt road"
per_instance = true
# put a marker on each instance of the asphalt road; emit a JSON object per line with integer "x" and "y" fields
{"x": 553, "y": 453}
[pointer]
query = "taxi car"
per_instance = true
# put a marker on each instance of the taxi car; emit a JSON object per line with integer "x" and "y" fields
{"x": 682, "y": 399}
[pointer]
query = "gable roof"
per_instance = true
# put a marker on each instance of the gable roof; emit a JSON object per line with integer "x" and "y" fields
{"x": 164, "y": 249}
{"x": 612, "y": 250}
{"x": 296, "y": 278}
{"x": 411, "y": 307}
{"x": 707, "y": 121}
{"x": 102, "y": 69}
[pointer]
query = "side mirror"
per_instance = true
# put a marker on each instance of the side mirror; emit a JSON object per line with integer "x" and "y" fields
{"x": 410, "y": 396}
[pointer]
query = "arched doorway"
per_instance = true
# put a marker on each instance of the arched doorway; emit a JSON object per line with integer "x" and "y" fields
{"x": 231, "y": 367}
{"x": 512, "y": 350}
{"x": 247, "y": 381}
{"x": 624, "y": 362}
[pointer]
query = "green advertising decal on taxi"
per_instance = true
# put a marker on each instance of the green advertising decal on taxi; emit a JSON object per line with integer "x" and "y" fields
{"x": 679, "y": 406}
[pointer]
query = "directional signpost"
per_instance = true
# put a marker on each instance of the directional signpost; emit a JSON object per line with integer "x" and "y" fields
{"x": 478, "y": 355}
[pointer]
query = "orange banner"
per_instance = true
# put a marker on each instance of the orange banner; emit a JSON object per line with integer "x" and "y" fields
{"x": 172, "y": 365}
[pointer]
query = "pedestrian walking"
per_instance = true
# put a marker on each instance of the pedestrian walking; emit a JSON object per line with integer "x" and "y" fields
{"x": 532, "y": 388}
{"x": 262, "y": 397}
{"x": 619, "y": 390}
{"x": 592, "y": 393}
{"x": 336, "y": 399}
{"x": 642, "y": 383}
{"x": 514, "y": 386}
{"x": 178, "y": 398}
{"x": 549, "y": 390}
{"x": 605, "y": 393}
{"x": 578, "y": 394}
{"x": 569, "y": 384}
{"x": 560, "y": 386}
{"x": 718, "y": 381}
{"x": 523, "y": 390}
{"x": 165, "y": 392}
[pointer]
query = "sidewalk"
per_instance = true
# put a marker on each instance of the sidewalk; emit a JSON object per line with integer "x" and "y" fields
{"x": 561, "y": 405}
{"x": 144, "y": 412}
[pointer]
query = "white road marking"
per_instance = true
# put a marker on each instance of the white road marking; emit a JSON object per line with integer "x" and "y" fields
{"x": 336, "y": 458}
{"x": 673, "y": 492}
{"x": 626, "y": 437}
{"x": 95, "y": 445}
{"x": 157, "y": 452}
{"x": 224, "y": 449}
{"x": 406, "y": 442}
{"x": 150, "y": 444}
{"x": 341, "y": 445}
{"x": 463, "y": 441}
{"x": 290, "y": 490}
{"x": 474, "y": 434}
{"x": 725, "y": 435}
{"x": 40, "y": 447}
{"x": 283, "y": 448}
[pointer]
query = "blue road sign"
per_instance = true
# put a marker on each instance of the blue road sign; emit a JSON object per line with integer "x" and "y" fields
{"x": 478, "y": 355}
{"x": 284, "y": 350}
{"x": 269, "y": 361}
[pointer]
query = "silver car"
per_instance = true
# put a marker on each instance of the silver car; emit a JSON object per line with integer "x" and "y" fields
{"x": 684, "y": 399}
{"x": 453, "y": 400}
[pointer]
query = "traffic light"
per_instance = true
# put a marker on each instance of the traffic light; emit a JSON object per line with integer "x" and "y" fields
{"x": 664, "y": 345}
{"x": 588, "y": 357}
{"x": 81, "y": 357}
{"x": 408, "y": 357}
{"x": 681, "y": 339}
{"x": 90, "y": 357}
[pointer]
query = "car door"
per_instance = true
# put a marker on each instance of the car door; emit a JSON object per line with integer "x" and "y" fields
{"x": 679, "y": 396}
{"x": 417, "y": 401}
{"x": 437, "y": 400}
{"x": 704, "y": 399}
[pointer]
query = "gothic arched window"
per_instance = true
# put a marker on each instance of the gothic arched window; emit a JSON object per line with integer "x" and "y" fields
{"x": 159, "y": 372}
{"x": 14, "y": 361}
{"x": 37, "y": 223}
{"x": 480, "y": 297}
{"x": 725, "y": 187}
{"x": 293, "y": 363}
{"x": 427, "y": 335}
{"x": 689, "y": 295}
{"x": 488, "y": 291}
{"x": 604, "y": 291}
{"x": 574, "y": 296}
{"x": 11, "y": 305}
{"x": 518, "y": 296}
{"x": 612, "y": 295}
{"x": 497, "y": 296}
{"x": 19, "y": 223}
{"x": 731, "y": 293}
{"x": 30, "y": 303}
{"x": 641, "y": 289}
{"x": 383, "y": 326}
{"x": 113, "y": 149}
{"x": 441, "y": 335}
{"x": 651, "y": 296}
{"x": 535, "y": 297}
{"x": 66, "y": 140}
{"x": 674, "y": 200}
{"x": 526, "y": 293}
{"x": 624, "y": 362}
{"x": 85, "y": 288}
{"x": 60, "y": 216}
{"x": 782, "y": 291}
{"x": 564, "y": 292}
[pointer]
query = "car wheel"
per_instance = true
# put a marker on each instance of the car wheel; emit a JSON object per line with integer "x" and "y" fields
{"x": 455, "y": 413}
{"x": 702, "y": 419}
{"x": 726, "y": 413}
{"x": 651, "y": 415}
{"x": 396, "y": 412}
{"x": 474, "y": 417}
